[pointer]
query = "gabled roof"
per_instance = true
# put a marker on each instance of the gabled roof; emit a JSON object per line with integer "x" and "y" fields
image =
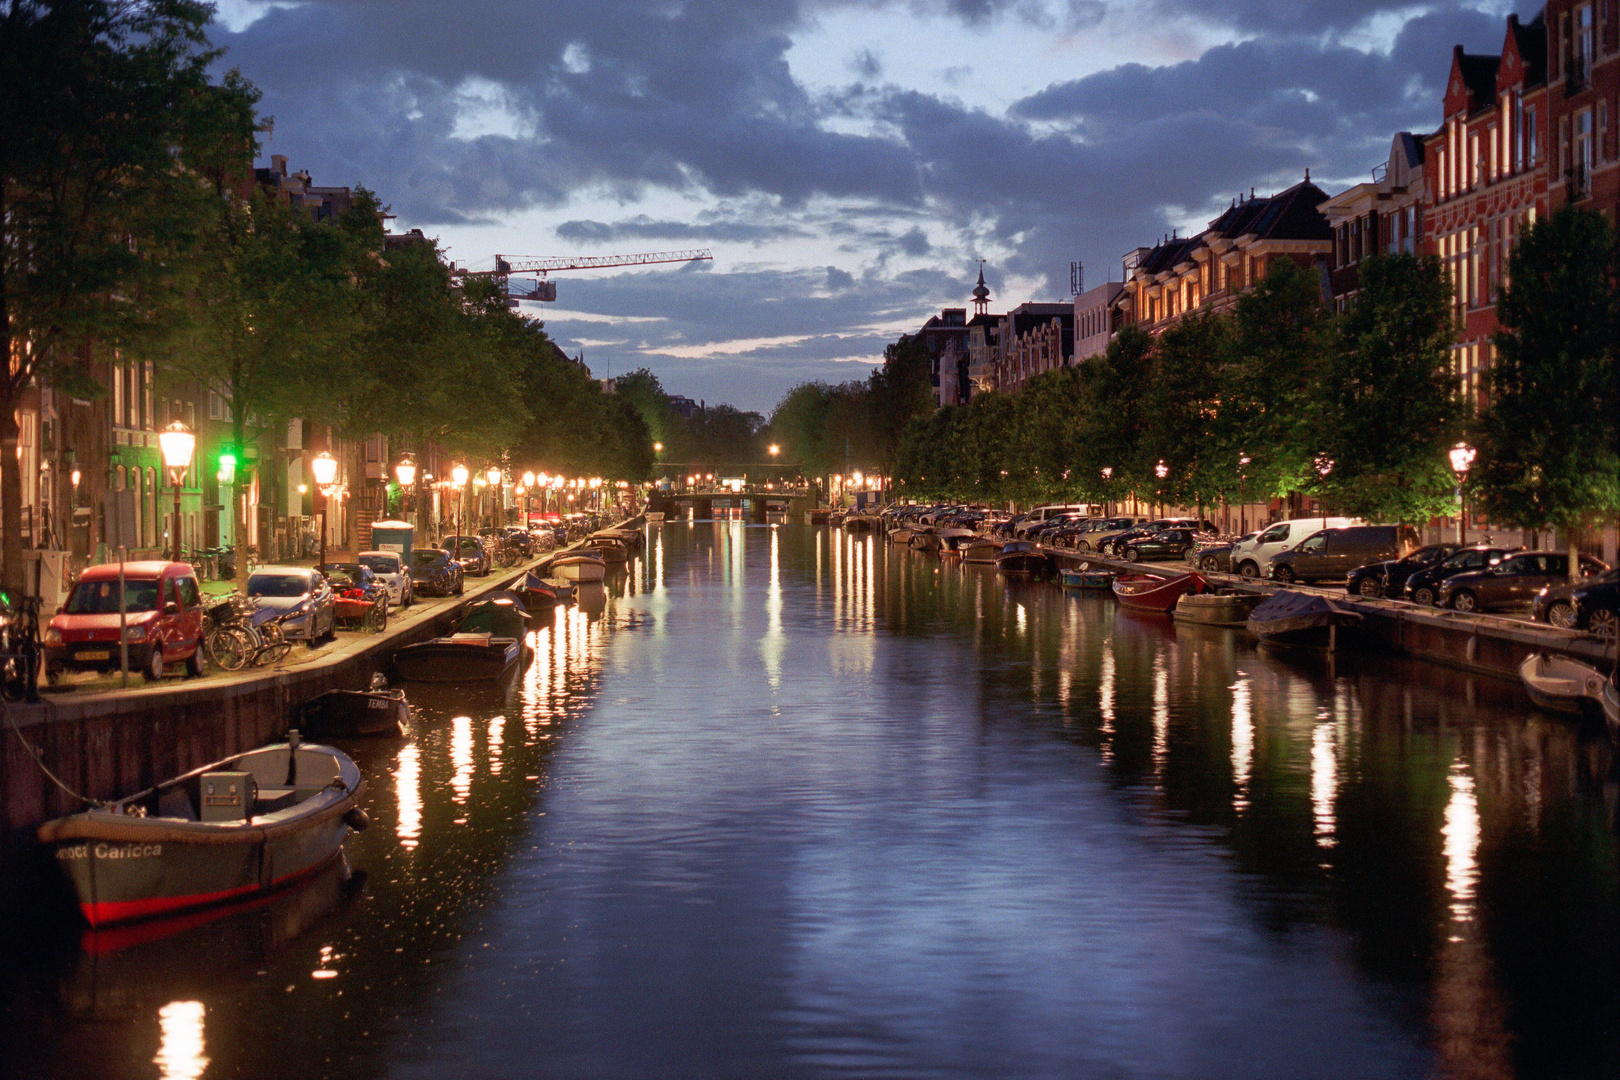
{"x": 1531, "y": 41}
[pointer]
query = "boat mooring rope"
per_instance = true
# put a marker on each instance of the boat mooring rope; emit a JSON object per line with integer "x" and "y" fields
{"x": 33, "y": 752}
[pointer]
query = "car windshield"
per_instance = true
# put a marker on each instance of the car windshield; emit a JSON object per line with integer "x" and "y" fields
{"x": 380, "y": 564}
{"x": 426, "y": 558}
{"x": 277, "y": 585}
{"x": 101, "y": 597}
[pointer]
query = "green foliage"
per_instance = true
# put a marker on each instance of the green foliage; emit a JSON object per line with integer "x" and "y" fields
{"x": 1389, "y": 408}
{"x": 1548, "y": 441}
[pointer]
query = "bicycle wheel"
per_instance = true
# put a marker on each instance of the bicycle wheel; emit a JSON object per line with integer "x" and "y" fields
{"x": 229, "y": 648}
{"x": 275, "y": 645}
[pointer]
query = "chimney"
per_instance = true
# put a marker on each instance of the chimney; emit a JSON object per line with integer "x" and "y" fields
{"x": 278, "y": 164}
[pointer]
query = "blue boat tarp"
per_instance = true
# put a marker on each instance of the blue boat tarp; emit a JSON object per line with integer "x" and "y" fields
{"x": 1288, "y": 611}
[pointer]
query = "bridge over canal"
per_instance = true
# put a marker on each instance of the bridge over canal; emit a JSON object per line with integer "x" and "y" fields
{"x": 755, "y": 502}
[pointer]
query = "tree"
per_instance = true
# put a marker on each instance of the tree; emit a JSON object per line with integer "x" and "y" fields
{"x": 1268, "y": 379}
{"x": 1548, "y": 439}
{"x": 1179, "y": 405}
{"x": 96, "y": 98}
{"x": 898, "y": 391}
{"x": 1390, "y": 407}
{"x": 1114, "y": 420}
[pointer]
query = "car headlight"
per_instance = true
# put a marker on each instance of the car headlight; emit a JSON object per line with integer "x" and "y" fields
{"x": 134, "y": 633}
{"x": 298, "y": 610}
{"x": 53, "y": 636}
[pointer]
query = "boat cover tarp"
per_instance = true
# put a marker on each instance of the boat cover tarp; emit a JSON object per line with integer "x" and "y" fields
{"x": 499, "y": 613}
{"x": 1287, "y": 611}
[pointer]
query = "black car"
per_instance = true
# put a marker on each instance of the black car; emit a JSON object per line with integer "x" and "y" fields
{"x": 1388, "y": 578}
{"x": 1591, "y": 605}
{"x": 1423, "y": 586}
{"x": 470, "y": 552}
{"x": 1151, "y": 528}
{"x": 435, "y": 573}
{"x": 1164, "y": 544}
{"x": 1217, "y": 558}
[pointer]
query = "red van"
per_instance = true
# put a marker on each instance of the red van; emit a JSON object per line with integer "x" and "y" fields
{"x": 163, "y": 621}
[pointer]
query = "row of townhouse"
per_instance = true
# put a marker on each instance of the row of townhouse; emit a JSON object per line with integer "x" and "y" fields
{"x": 1524, "y": 130}
{"x": 94, "y": 480}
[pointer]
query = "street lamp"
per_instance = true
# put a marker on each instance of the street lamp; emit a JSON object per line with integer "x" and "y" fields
{"x": 405, "y": 473}
{"x": 1161, "y": 470}
{"x": 324, "y": 468}
{"x": 1462, "y": 459}
{"x": 496, "y": 495}
{"x": 1243, "y": 492}
{"x": 177, "y": 442}
{"x": 459, "y": 475}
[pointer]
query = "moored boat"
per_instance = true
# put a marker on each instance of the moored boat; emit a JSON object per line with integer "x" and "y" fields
{"x": 1300, "y": 620}
{"x": 926, "y": 540}
{"x": 1216, "y": 608}
{"x": 535, "y": 592}
{"x": 1023, "y": 559}
{"x": 1562, "y": 685}
{"x": 612, "y": 551}
{"x": 248, "y": 824}
{"x": 1146, "y": 593}
{"x": 487, "y": 641}
{"x": 342, "y": 714}
{"x": 901, "y": 535}
{"x": 981, "y": 550}
{"x": 1084, "y": 577}
{"x": 577, "y": 565}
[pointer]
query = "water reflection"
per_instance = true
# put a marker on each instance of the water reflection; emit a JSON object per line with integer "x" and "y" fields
{"x": 181, "y": 1044}
{"x": 787, "y": 802}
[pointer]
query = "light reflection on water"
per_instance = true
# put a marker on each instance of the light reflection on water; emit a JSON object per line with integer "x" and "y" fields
{"x": 787, "y": 802}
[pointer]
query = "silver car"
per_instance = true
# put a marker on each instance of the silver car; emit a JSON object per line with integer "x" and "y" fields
{"x": 302, "y": 595}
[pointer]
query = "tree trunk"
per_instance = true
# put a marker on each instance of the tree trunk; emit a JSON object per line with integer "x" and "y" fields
{"x": 11, "y": 548}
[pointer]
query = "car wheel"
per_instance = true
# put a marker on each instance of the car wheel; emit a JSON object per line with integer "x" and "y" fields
{"x": 154, "y": 665}
{"x": 194, "y": 662}
{"x": 1369, "y": 586}
{"x": 1284, "y": 574}
{"x": 410, "y": 596}
{"x": 1561, "y": 614}
{"x": 1207, "y": 563}
{"x": 1423, "y": 595}
{"x": 1249, "y": 570}
{"x": 1132, "y": 555}
{"x": 1463, "y": 600}
{"x": 461, "y": 586}
{"x": 1602, "y": 624}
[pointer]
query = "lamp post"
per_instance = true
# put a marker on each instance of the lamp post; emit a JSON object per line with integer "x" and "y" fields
{"x": 459, "y": 475}
{"x": 1324, "y": 465}
{"x": 497, "y": 493}
{"x": 1462, "y": 459}
{"x": 324, "y": 468}
{"x": 405, "y": 473}
{"x": 177, "y": 442}
{"x": 1161, "y": 470}
{"x": 1243, "y": 493}
{"x": 1107, "y": 475}
{"x": 528, "y": 486}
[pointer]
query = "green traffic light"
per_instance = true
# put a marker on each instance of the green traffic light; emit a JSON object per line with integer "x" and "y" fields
{"x": 227, "y": 467}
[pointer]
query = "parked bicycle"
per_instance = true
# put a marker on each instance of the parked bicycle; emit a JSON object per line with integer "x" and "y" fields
{"x": 238, "y": 633}
{"x": 19, "y": 647}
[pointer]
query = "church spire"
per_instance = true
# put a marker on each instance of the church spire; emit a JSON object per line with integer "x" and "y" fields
{"x": 981, "y": 294}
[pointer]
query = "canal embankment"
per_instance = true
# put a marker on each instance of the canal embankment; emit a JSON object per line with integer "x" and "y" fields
{"x": 67, "y": 748}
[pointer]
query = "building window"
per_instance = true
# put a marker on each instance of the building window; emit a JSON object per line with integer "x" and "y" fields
{"x": 1527, "y": 136}
{"x": 1581, "y": 164}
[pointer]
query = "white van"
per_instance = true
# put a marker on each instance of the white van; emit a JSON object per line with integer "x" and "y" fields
{"x": 1251, "y": 556}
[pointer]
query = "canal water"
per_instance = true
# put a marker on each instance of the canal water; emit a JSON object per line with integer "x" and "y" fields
{"x": 784, "y": 803}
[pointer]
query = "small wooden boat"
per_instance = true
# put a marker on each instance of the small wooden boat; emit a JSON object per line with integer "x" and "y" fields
{"x": 858, "y": 523}
{"x": 535, "y": 592}
{"x": 564, "y": 588}
{"x": 1216, "y": 608}
{"x": 981, "y": 550}
{"x": 1146, "y": 593}
{"x": 952, "y": 542}
{"x": 613, "y": 552}
{"x": 344, "y": 714}
{"x": 1562, "y": 685}
{"x": 1085, "y": 577}
{"x": 632, "y": 539}
{"x": 1300, "y": 620}
{"x": 248, "y": 824}
{"x": 1023, "y": 559}
{"x": 926, "y": 540}
{"x": 487, "y": 641}
{"x": 901, "y": 535}
{"x": 577, "y": 565}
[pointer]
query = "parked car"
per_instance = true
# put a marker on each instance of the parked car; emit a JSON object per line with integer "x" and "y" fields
{"x": 1592, "y": 605}
{"x": 1388, "y": 577}
{"x": 1217, "y": 558}
{"x": 163, "y": 621}
{"x": 1423, "y": 586}
{"x": 1164, "y": 544}
{"x": 435, "y": 573}
{"x": 301, "y": 595}
{"x": 1106, "y": 530}
{"x": 470, "y": 552}
{"x": 391, "y": 570}
{"x": 1251, "y": 556}
{"x": 1515, "y": 580}
{"x": 1117, "y": 544}
{"x": 1332, "y": 553}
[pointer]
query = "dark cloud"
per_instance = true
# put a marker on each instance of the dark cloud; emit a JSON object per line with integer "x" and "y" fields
{"x": 697, "y": 96}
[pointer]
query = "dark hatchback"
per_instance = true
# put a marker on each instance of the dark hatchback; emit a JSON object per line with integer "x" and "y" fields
{"x": 1423, "y": 586}
{"x": 1515, "y": 580}
{"x": 435, "y": 573}
{"x": 1388, "y": 578}
{"x": 1592, "y": 605}
{"x": 1218, "y": 557}
{"x": 1164, "y": 544}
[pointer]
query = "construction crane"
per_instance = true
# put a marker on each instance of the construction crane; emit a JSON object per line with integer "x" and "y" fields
{"x": 544, "y": 290}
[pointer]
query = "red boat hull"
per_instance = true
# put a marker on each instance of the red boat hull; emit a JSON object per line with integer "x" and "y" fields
{"x": 1155, "y": 594}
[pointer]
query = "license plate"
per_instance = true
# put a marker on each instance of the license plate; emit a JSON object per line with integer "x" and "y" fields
{"x": 94, "y": 654}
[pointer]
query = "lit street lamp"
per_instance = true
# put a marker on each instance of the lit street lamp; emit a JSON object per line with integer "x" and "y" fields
{"x": 1324, "y": 465}
{"x": 177, "y": 443}
{"x": 1462, "y": 459}
{"x": 324, "y": 467}
{"x": 405, "y": 472}
{"x": 1161, "y": 470}
{"x": 458, "y": 476}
